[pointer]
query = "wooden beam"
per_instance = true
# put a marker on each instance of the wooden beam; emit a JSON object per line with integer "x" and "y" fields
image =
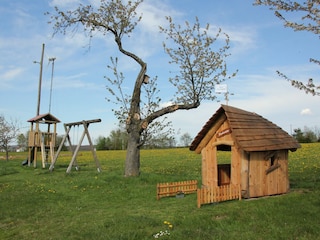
{"x": 272, "y": 168}
{"x": 92, "y": 148}
{"x": 83, "y": 122}
{"x": 66, "y": 136}
{"x": 210, "y": 134}
{"x": 223, "y": 142}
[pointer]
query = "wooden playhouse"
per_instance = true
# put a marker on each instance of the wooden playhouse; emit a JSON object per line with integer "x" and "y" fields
{"x": 258, "y": 152}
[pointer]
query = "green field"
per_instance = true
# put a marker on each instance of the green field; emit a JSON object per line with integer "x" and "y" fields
{"x": 85, "y": 204}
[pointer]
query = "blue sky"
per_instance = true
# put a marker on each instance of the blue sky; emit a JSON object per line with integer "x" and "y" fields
{"x": 260, "y": 45}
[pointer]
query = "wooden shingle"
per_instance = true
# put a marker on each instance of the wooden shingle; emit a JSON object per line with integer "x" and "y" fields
{"x": 250, "y": 131}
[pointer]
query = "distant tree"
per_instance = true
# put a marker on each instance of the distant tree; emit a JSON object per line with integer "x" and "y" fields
{"x": 8, "y": 132}
{"x": 101, "y": 143}
{"x": 59, "y": 139}
{"x": 306, "y": 136}
{"x": 161, "y": 141}
{"x": 190, "y": 47}
{"x": 22, "y": 141}
{"x": 117, "y": 139}
{"x": 309, "y": 13}
{"x": 298, "y": 135}
{"x": 185, "y": 139}
{"x": 310, "y": 136}
{"x": 317, "y": 133}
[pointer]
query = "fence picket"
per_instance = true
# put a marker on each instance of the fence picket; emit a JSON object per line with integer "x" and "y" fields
{"x": 173, "y": 188}
{"x": 211, "y": 194}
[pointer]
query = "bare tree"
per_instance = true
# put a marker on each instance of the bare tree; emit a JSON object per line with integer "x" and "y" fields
{"x": 8, "y": 132}
{"x": 186, "y": 139}
{"x": 190, "y": 48}
{"x": 309, "y": 13}
{"x": 22, "y": 141}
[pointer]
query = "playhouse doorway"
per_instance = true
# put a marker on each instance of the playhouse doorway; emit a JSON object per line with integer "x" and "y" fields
{"x": 224, "y": 156}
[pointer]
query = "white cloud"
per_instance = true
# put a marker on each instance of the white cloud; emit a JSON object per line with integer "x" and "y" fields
{"x": 306, "y": 111}
{"x": 271, "y": 97}
{"x": 9, "y": 76}
{"x": 11, "y": 73}
{"x": 64, "y": 3}
{"x": 242, "y": 38}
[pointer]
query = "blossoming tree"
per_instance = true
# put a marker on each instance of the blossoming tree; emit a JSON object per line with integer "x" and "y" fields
{"x": 191, "y": 49}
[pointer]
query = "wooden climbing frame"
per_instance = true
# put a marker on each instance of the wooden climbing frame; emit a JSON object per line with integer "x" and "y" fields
{"x": 43, "y": 140}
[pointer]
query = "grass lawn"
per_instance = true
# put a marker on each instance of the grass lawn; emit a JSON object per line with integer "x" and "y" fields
{"x": 85, "y": 204}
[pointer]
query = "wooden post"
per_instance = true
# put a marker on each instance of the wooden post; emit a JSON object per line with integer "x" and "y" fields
{"x": 30, "y": 144}
{"x": 76, "y": 152}
{"x": 51, "y": 151}
{"x": 60, "y": 148}
{"x": 40, "y": 80}
{"x": 199, "y": 197}
{"x": 36, "y": 144}
{"x": 43, "y": 154}
{"x": 85, "y": 125}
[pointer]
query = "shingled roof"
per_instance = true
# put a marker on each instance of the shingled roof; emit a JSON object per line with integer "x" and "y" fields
{"x": 45, "y": 118}
{"x": 250, "y": 131}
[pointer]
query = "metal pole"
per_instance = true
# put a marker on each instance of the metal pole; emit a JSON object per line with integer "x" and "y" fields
{"x": 51, "y": 59}
{"x": 40, "y": 80}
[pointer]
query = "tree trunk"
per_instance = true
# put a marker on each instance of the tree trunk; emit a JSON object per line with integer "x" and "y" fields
{"x": 7, "y": 154}
{"x": 132, "y": 164}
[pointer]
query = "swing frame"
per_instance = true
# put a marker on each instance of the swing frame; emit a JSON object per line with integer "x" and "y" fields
{"x": 73, "y": 162}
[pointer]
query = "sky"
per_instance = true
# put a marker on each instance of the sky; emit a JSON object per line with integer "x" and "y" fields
{"x": 259, "y": 46}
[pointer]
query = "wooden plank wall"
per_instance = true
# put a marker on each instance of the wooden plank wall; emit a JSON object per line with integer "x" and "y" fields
{"x": 236, "y": 158}
{"x": 263, "y": 182}
{"x": 244, "y": 174}
{"x": 209, "y": 157}
{"x": 209, "y": 166}
{"x": 34, "y": 139}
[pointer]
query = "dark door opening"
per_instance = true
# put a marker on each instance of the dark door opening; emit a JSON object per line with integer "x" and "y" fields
{"x": 224, "y": 164}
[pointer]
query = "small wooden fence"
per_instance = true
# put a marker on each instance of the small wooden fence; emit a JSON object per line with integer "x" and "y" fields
{"x": 213, "y": 194}
{"x": 174, "y": 188}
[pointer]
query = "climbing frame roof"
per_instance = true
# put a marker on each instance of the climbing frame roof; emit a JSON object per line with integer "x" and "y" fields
{"x": 45, "y": 118}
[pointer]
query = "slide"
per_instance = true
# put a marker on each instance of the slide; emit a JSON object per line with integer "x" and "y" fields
{"x": 25, "y": 162}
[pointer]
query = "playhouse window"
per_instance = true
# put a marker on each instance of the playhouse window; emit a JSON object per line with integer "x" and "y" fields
{"x": 272, "y": 161}
{"x": 274, "y": 164}
{"x": 223, "y": 147}
{"x": 223, "y": 154}
{"x": 224, "y": 164}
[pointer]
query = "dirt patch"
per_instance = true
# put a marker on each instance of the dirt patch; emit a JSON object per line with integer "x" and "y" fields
{"x": 10, "y": 157}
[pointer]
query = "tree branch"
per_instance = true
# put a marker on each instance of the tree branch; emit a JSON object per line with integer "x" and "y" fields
{"x": 170, "y": 109}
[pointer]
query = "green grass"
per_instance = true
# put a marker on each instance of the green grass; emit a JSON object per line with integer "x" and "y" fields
{"x": 85, "y": 204}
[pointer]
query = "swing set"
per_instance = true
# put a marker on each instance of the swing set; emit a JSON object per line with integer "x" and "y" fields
{"x": 73, "y": 162}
